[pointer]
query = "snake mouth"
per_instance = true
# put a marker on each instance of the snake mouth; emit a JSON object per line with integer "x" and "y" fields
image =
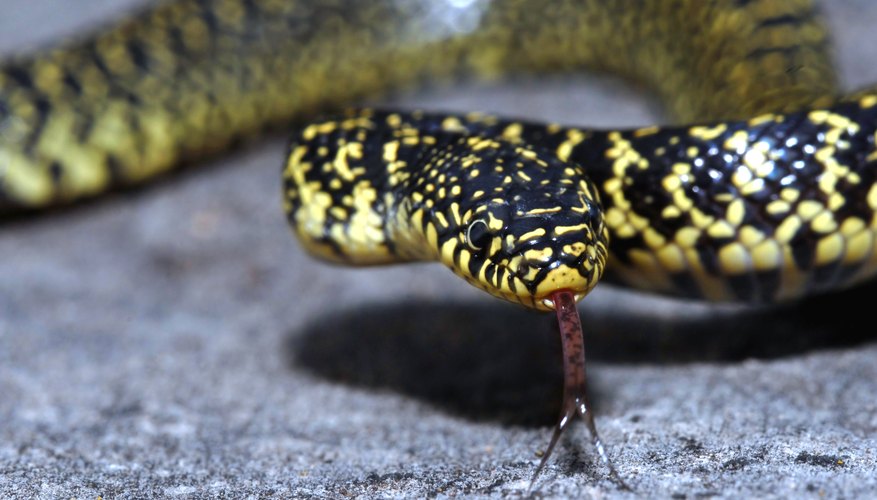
{"x": 548, "y": 300}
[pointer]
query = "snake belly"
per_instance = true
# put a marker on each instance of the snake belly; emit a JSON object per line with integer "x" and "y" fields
{"x": 770, "y": 197}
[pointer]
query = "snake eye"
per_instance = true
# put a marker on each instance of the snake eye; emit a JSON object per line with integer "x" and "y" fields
{"x": 477, "y": 235}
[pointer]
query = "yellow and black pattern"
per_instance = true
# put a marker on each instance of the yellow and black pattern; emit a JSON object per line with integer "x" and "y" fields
{"x": 770, "y": 199}
{"x": 760, "y": 210}
{"x": 512, "y": 219}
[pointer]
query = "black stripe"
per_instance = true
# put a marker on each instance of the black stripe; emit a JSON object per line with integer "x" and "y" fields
{"x": 72, "y": 83}
{"x": 787, "y": 19}
{"x": 138, "y": 54}
{"x": 56, "y": 171}
{"x": 20, "y": 76}
{"x": 42, "y": 106}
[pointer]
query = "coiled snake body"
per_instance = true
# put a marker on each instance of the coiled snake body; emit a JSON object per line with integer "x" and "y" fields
{"x": 770, "y": 195}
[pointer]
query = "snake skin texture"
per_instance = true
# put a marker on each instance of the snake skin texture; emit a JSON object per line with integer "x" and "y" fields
{"x": 767, "y": 197}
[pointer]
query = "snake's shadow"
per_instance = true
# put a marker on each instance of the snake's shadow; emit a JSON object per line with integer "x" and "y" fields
{"x": 493, "y": 361}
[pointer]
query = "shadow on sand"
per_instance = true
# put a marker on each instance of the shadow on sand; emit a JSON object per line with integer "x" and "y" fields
{"x": 494, "y": 361}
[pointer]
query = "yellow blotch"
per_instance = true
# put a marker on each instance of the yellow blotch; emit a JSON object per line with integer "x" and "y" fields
{"x": 681, "y": 168}
{"x": 756, "y": 160}
{"x": 872, "y": 197}
{"x": 391, "y": 151}
{"x": 541, "y": 211}
{"x": 766, "y": 256}
{"x": 539, "y": 254}
{"x": 340, "y": 163}
{"x": 827, "y": 182}
{"x": 671, "y": 212}
{"x": 479, "y": 143}
{"x": 561, "y": 230}
{"x": 699, "y": 219}
{"x": 787, "y": 229}
{"x": 720, "y": 229}
{"x": 532, "y": 234}
{"x": 761, "y": 119}
{"x": 808, "y": 209}
{"x": 612, "y": 185}
{"x": 859, "y": 247}
{"x": 672, "y": 258}
{"x": 574, "y": 248}
{"x": 22, "y": 182}
{"x": 734, "y": 259}
{"x": 868, "y": 101}
{"x": 47, "y": 76}
{"x": 394, "y": 120}
{"x": 447, "y": 251}
{"x": 441, "y": 219}
{"x": 735, "y": 212}
{"x": 829, "y": 249}
{"x": 494, "y": 223}
{"x": 671, "y": 183}
{"x": 741, "y": 176}
{"x": 573, "y": 138}
{"x": 790, "y": 194}
{"x": 681, "y": 200}
{"x": 707, "y": 133}
{"x": 338, "y": 213}
{"x": 431, "y": 236}
{"x": 311, "y": 217}
{"x": 833, "y": 120}
{"x": 851, "y": 226}
{"x": 653, "y": 238}
{"x": 824, "y": 223}
{"x": 364, "y": 229}
{"x": 646, "y": 131}
{"x": 752, "y": 187}
{"x": 512, "y": 132}
{"x": 738, "y": 142}
{"x": 563, "y": 277}
{"x": 452, "y": 124}
{"x": 465, "y": 257}
{"x": 614, "y": 217}
{"x": 750, "y": 236}
{"x": 687, "y": 237}
{"x": 777, "y": 207}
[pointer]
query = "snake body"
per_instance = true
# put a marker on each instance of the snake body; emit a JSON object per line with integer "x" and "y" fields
{"x": 770, "y": 196}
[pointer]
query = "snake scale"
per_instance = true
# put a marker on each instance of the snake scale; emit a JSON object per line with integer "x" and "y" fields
{"x": 765, "y": 190}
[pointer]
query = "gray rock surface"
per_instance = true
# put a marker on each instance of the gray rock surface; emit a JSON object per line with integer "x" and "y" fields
{"x": 176, "y": 342}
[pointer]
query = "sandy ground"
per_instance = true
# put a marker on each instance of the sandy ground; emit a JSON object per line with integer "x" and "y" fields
{"x": 176, "y": 342}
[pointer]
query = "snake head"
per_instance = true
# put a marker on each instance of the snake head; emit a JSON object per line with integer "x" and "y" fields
{"x": 528, "y": 229}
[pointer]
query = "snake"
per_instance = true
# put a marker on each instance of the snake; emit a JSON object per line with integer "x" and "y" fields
{"x": 760, "y": 188}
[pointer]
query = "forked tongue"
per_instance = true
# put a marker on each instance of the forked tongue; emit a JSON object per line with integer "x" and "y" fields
{"x": 575, "y": 382}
